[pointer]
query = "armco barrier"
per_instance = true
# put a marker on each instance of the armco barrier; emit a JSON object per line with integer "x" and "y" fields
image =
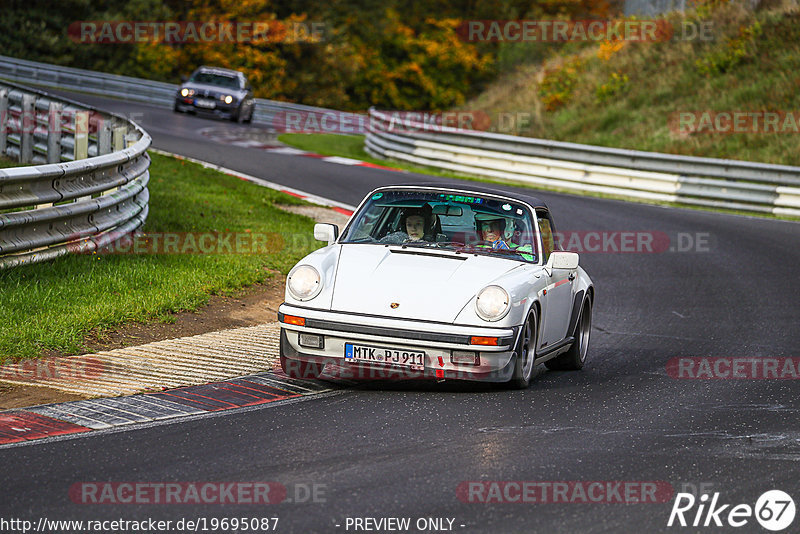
{"x": 731, "y": 184}
{"x": 89, "y": 188}
{"x": 123, "y": 87}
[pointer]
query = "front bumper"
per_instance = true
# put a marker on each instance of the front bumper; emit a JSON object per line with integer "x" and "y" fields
{"x": 220, "y": 108}
{"x": 436, "y": 340}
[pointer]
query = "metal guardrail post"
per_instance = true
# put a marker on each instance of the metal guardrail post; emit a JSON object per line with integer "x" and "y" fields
{"x": 105, "y": 133}
{"x": 118, "y": 138}
{"x": 3, "y": 120}
{"x": 54, "y": 133}
{"x": 130, "y": 139}
{"x": 104, "y": 139}
{"x": 81, "y": 150}
{"x": 27, "y": 125}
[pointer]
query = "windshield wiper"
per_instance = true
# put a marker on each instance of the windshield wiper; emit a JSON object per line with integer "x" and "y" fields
{"x": 471, "y": 248}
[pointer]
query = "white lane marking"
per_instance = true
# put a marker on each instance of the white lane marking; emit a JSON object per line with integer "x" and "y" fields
{"x": 288, "y": 150}
{"x": 342, "y": 161}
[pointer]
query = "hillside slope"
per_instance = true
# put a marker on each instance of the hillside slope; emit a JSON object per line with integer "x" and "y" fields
{"x": 735, "y": 95}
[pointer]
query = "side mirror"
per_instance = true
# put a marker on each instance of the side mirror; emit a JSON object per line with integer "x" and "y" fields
{"x": 184, "y": 78}
{"x": 562, "y": 260}
{"x": 328, "y": 232}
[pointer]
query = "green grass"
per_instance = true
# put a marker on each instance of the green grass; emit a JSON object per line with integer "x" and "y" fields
{"x": 52, "y": 306}
{"x": 348, "y": 146}
{"x": 7, "y": 163}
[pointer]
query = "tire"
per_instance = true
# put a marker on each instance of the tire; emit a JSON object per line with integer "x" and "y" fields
{"x": 525, "y": 352}
{"x": 575, "y": 357}
{"x": 249, "y": 118}
{"x": 300, "y": 369}
{"x": 236, "y": 115}
{"x": 176, "y": 108}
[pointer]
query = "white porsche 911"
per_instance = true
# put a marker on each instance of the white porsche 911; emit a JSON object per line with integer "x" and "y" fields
{"x": 438, "y": 282}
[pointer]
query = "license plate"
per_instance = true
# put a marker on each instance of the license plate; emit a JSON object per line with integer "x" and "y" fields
{"x": 203, "y": 103}
{"x": 367, "y": 353}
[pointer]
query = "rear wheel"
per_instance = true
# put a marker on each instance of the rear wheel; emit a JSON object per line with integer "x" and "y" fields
{"x": 525, "y": 353}
{"x": 575, "y": 357}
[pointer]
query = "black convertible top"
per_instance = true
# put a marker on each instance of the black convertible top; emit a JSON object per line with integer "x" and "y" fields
{"x": 471, "y": 189}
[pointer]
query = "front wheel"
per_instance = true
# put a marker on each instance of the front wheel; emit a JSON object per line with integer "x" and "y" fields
{"x": 575, "y": 357}
{"x": 525, "y": 353}
{"x": 237, "y": 114}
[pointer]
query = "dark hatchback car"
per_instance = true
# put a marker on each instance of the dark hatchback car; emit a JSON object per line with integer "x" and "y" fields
{"x": 221, "y": 92}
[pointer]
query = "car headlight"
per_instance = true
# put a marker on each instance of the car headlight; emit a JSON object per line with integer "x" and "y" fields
{"x": 492, "y": 303}
{"x": 228, "y": 99}
{"x": 184, "y": 92}
{"x": 304, "y": 282}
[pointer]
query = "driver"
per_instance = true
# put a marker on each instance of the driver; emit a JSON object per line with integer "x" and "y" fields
{"x": 492, "y": 231}
{"x": 416, "y": 224}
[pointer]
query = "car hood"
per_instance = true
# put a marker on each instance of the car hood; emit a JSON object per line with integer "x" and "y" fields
{"x": 425, "y": 285}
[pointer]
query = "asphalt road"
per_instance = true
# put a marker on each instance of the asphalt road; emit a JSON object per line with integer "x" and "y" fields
{"x": 402, "y": 449}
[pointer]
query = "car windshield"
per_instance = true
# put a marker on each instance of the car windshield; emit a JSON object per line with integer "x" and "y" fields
{"x": 220, "y": 80}
{"x": 459, "y": 222}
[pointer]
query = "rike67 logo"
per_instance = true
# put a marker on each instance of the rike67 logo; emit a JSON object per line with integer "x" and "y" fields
{"x": 774, "y": 510}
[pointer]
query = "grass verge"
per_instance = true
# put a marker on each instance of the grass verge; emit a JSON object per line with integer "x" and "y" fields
{"x": 52, "y": 306}
{"x": 7, "y": 163}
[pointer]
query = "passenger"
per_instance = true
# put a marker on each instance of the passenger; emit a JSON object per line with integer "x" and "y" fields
{"x": 492, "y": 232}
{"x": 523, "y": 248}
